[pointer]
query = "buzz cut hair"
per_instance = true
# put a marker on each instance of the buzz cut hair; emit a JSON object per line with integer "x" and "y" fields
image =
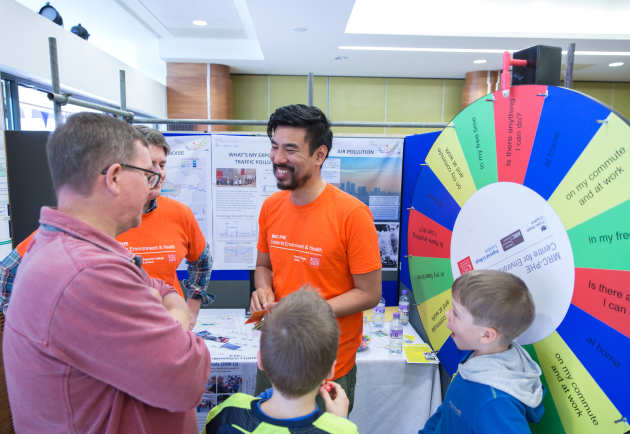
{"x": 298, "y": 343}
{"x": 496, "y": 299}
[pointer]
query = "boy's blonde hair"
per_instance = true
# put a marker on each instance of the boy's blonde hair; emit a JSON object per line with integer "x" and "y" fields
{"x": 298, "y": 343}
{"x": 496, "y": 299}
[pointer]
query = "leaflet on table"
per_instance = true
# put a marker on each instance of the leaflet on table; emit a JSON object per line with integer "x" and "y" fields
{"x": 419, "y": 353}
{"x": 188, "y": 177}
{"x": 225, "y": 335}
{"x": 225, "y": 379}
{"x": 370, "y": 169}
{"x": 242, "y": 178}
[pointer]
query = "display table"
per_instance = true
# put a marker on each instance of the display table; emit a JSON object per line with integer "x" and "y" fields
{"x": 393, "y": 396}
{"x": 390, "y": 395}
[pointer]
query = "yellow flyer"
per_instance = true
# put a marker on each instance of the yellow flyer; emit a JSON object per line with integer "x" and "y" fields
{"x": 420, "y": 353}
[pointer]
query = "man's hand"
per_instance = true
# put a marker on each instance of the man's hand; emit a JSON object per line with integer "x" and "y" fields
{"x": 335, "y": 398}
{"x": 182, "y": 317}
{"x": 262, "y": 298}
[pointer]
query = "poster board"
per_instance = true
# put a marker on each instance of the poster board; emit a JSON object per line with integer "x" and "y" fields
{"x": 242, "y": 178}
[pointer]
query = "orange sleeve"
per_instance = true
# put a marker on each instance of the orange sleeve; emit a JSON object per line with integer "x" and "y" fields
{"x": 23, "y": 246}
{"x": 262, "y": 245}
{"x": 363, "y": 252}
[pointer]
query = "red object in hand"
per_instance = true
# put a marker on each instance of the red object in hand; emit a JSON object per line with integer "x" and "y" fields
{"x": 331, "y": 390}
{"x": 256, "y": 316}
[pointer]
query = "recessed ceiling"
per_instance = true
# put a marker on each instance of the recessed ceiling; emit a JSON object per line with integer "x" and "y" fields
{"x": 222, "y": 18}
{"x": 492, "y": 18}
{"x": 260, "y": 36}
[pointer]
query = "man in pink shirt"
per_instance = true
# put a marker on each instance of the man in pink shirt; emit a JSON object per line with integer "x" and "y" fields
{"x": 92, "y": 344}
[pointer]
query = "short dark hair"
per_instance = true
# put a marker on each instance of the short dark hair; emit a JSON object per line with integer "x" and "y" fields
{"x": 298, "y": 343}
{"x": 312, "y": 119}
{"x": 84, "y": 145}
{"x": 154, "y": 137}
{"x": 496, "y": 299}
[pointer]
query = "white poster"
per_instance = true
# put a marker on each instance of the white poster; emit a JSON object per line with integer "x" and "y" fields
{"x": 233, "y": 347}
{"x": 225, "y": 179}
{"x": 188, "y": 176}
{"x": 242, "y": 178}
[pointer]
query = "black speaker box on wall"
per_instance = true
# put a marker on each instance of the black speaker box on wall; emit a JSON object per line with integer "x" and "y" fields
{"x": 543, "y": 66}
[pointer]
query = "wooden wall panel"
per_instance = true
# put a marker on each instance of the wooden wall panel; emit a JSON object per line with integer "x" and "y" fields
{"x": 220, "y": 95}
{"x": 186, "y": 92}
{"x": 478, "y": 84}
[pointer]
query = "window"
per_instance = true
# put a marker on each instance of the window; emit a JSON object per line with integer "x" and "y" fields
{"x": 36, "y": 110}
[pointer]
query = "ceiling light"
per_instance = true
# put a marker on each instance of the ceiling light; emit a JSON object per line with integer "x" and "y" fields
{"x": 479, "y": 61}
{"x": 200, "y": 23}
{"x": 300, "y": 29}
{"x": 615, "y": 64}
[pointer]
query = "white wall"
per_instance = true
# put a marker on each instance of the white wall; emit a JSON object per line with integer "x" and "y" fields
{"x": 83, "y": 67}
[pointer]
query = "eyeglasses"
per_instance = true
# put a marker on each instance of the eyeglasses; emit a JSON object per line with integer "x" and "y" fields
{"x": 153, "y": 178}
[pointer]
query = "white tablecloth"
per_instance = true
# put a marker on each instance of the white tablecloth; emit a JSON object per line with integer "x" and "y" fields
{"x": 391, "y": 396}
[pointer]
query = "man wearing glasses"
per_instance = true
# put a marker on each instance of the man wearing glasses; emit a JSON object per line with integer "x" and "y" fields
{"x": 91, "y": 342}
{"x": 168, "y": 233}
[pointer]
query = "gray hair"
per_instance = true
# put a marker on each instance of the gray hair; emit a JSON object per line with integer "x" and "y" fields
{"x": 154, "y": 137}
{"x": 86, "y": 144}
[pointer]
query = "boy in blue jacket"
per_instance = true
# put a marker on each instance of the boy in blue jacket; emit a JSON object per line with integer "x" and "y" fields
{"x": 497, "y": 387}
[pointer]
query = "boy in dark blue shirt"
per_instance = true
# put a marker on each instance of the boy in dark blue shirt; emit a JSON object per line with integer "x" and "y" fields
{"x": 298, "y": 348}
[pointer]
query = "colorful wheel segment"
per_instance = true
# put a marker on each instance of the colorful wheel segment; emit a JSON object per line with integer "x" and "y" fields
{"x": 536, "y": 183}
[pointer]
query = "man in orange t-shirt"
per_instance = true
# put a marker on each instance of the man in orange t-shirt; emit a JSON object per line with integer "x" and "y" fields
{"x": 168, "y": 233}
{"x": 312, "y": 232}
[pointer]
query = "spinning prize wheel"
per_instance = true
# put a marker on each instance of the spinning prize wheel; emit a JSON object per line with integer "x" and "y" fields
{"x": 536, "y": 183}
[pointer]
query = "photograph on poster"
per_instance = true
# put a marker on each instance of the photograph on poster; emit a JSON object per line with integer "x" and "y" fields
{"x": 388, "y": 243}
{"x": 236, "y": 177}
{"x": 208, "y": 401}
{"x": 365, "y": 178}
